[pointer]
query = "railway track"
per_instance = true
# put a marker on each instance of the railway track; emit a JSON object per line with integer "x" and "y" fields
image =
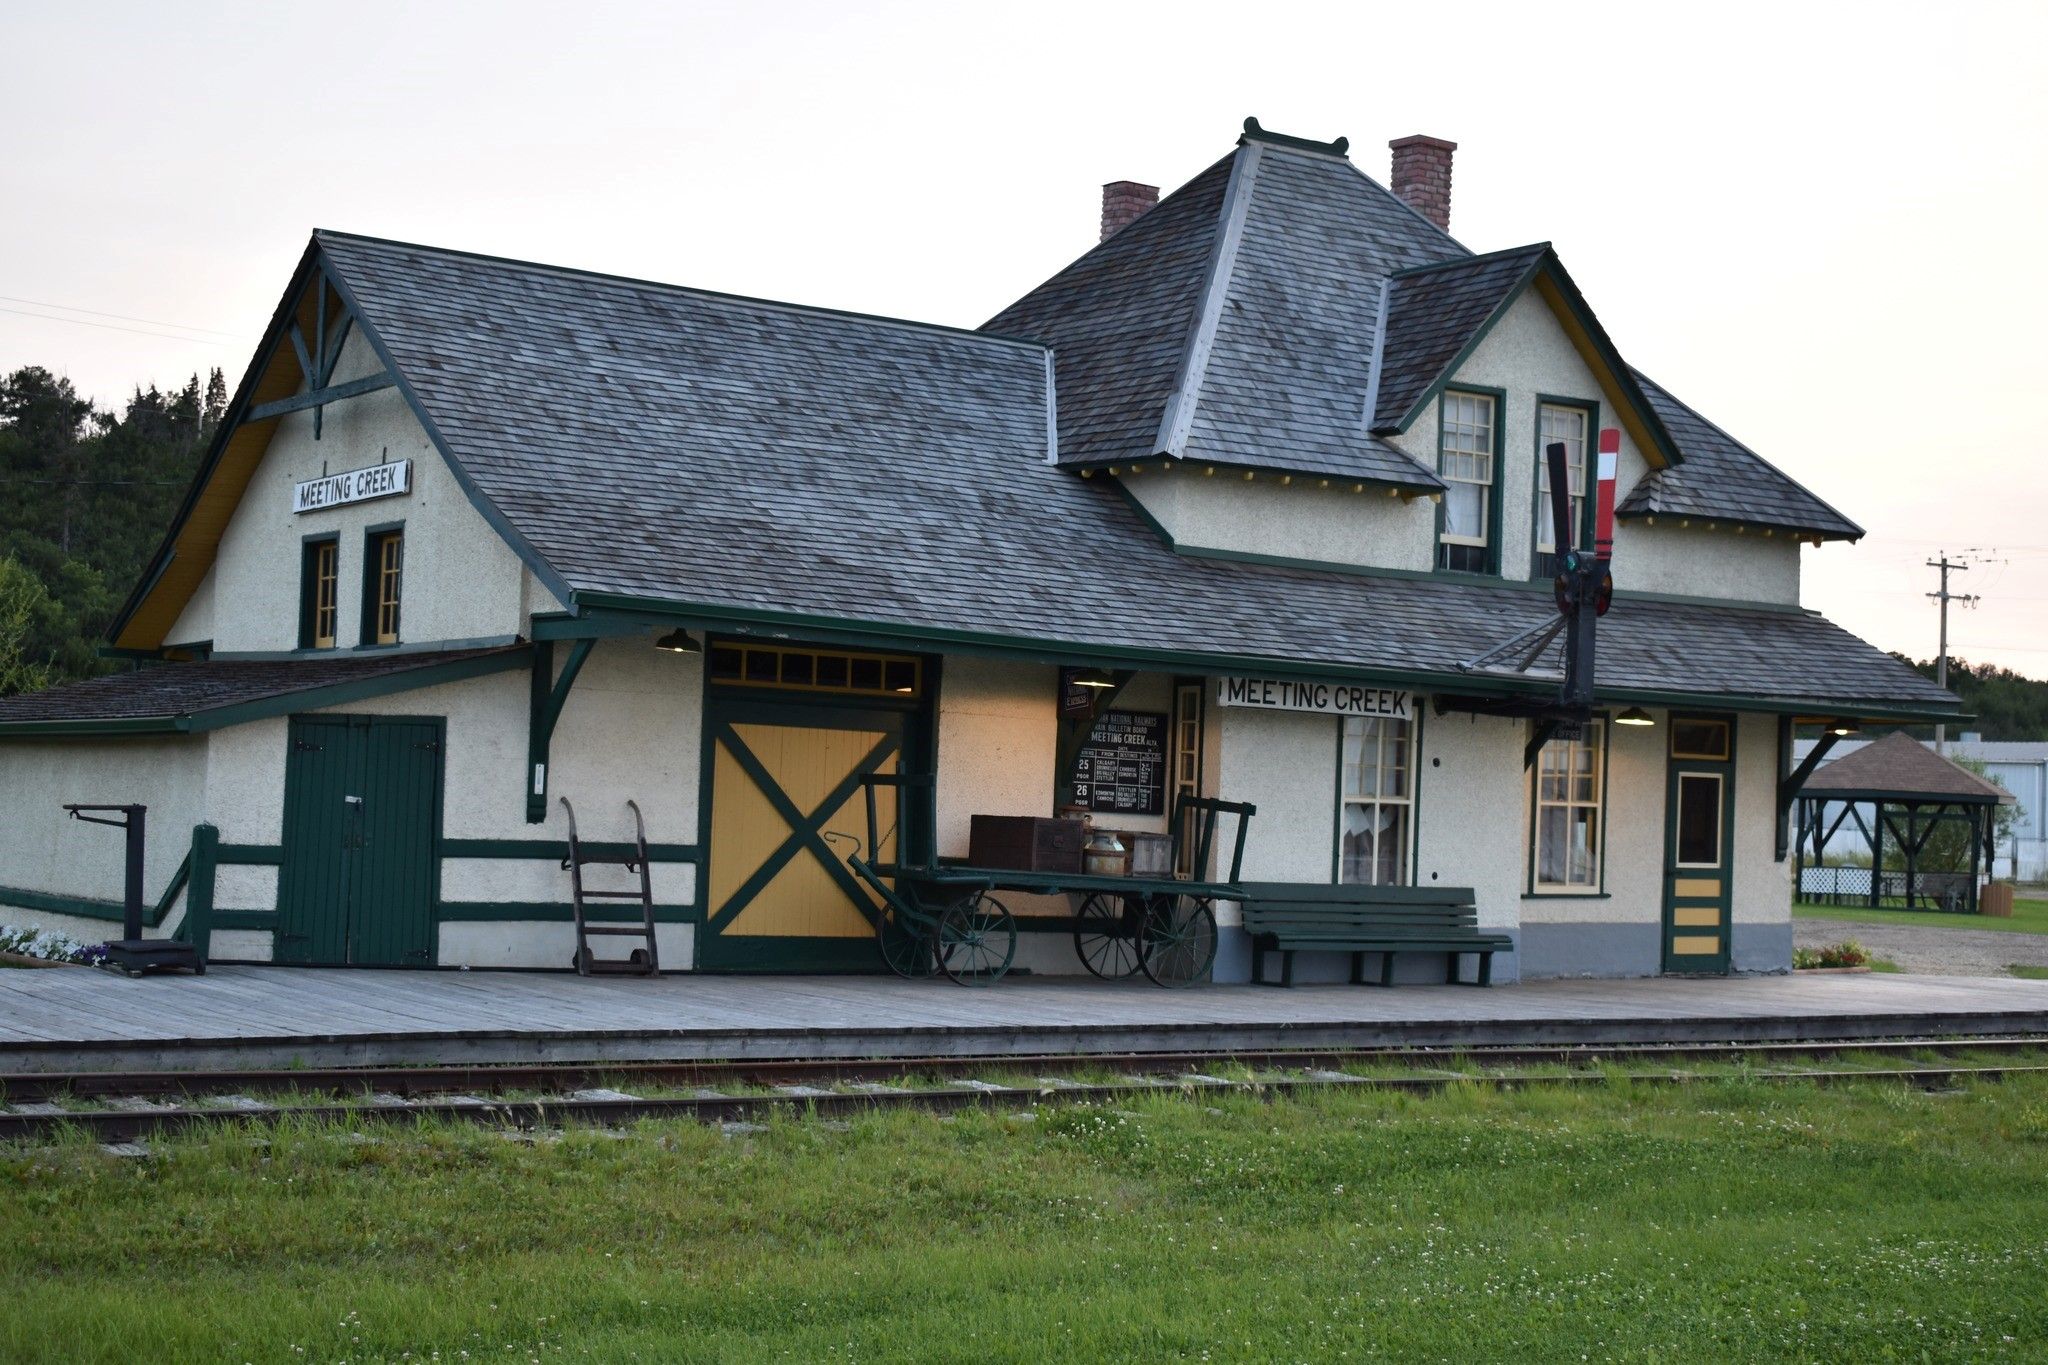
{"x": 125, "y": 1107}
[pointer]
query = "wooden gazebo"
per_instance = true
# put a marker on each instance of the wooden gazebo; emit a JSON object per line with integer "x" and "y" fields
{"x": 1912, "y": 792}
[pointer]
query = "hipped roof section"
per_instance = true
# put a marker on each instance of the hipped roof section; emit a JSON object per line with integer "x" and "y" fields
{"x": 1899, "y": 767}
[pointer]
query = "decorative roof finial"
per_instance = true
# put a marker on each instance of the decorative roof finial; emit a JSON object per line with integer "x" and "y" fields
{"x": 1253, "y": 131}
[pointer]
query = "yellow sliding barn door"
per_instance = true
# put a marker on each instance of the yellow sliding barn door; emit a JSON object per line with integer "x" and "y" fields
{"x": 787, "y": 806}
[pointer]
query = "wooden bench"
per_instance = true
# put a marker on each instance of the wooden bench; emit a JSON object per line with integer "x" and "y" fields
{"x": 1292, "y": 917}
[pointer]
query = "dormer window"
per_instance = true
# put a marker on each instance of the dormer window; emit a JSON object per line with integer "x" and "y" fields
{"x": 1468, "y": 461}
{"x": 1571, "y": 425}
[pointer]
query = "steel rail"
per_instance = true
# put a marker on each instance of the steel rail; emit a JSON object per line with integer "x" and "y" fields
{"x": 461, "y": 1078}
{"x": 131, "y": 1125}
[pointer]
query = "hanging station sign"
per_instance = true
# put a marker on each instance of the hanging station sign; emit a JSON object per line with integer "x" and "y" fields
{"x": 1330, "y": 699}
{"x": 387, "y": 480}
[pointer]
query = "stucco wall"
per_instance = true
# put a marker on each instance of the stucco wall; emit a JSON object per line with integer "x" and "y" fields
{"x": 1303, "y": 519}
{"x": 461, "y": 580}
{"x": 43, "y": 849}
{"x": 996, "y": 737}
{"x": 1692, "y": 561}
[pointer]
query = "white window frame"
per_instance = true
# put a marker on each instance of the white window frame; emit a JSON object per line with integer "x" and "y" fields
{"x": 1465, "y": 463}
{"x": 1575, "y": 476}
{"x": 1593, "y": 742}
{"x": 1391, "y": 739}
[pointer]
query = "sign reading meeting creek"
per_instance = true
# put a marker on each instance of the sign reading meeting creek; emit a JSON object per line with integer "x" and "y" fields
{"x": 387, "y": 480}
{"x": 1335, "y": 699}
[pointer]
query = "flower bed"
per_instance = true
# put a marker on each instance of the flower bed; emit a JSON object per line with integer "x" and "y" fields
{"x": 1847, "y": 956}
{"x": 39, "y": 946}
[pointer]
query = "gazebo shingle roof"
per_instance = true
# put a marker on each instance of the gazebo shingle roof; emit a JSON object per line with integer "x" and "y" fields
{"x": 1902, "y": 768}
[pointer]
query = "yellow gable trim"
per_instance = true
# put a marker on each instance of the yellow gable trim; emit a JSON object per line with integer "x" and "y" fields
{"x": 1616, "y": 392}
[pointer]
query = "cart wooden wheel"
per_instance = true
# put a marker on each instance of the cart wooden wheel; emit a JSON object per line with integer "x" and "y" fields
{"x": 1106, "y": 938}
{"x": 906, "y": 945}
{"x": 977, "y": 940}
{"x": 1178, "y": 941}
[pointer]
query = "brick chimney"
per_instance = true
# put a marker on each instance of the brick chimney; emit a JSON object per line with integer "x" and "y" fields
{"x": 1422, "y": 176}
{"x": 1123, "y": 203}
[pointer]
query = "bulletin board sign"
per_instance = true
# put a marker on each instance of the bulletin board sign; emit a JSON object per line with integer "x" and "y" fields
{"x": 1122, "y": 768}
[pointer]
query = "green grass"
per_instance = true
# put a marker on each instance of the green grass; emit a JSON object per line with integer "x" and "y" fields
{"x": 2028, "y": 917}
{"x": 1726, "y": 1219}
{"x": 2028, "y": 971}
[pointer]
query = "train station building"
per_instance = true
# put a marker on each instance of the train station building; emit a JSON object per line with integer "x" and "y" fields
{"x": 1247, "y": 502}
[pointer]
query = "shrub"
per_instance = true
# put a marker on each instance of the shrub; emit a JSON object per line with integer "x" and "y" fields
{"x": 1846, "y": 954}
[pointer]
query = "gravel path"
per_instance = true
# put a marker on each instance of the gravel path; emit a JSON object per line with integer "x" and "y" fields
{"x": 1940, "y": 952}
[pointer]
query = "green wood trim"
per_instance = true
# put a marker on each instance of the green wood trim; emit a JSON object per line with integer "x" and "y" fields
{"x": 555, "y": 850}
{"x": 197, "y": 926}
{"x": 557, "y": 912}
{"x": 57, "y": 904}
{"x": 250, "y": 855}
{"x": 546, "y": 698}
{"x": 366, "y": 598}
{"x": 562, "y": 625}
{"x": 360, "y": 689}
{"x": 117, "y": 725}
{"x": 334, "y": 393}
{"x": 1254, "y": 133}
{"x": 245, "y": 919}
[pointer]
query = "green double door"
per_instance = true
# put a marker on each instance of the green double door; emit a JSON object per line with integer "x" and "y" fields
{"x": 362, "y": 822}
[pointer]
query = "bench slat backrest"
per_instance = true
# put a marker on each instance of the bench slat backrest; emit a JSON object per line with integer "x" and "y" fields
{"x": 1332, "y": 912}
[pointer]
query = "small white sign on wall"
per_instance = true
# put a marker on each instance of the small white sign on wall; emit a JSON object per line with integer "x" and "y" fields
{"x": 1330, "y": 699}
{"x": 388, "y": 480}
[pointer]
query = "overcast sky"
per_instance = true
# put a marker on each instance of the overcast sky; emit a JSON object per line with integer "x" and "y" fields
{"x": 1820, "y": 225}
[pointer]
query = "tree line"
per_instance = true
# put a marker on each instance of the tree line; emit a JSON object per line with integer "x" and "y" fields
{"x": 85, "y": 498}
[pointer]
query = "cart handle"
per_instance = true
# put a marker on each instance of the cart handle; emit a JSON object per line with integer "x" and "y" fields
{"x": 870, "y": 781}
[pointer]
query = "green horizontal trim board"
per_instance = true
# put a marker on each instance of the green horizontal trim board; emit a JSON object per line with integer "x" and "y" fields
{"x": 117, "y": 725}
{"x": 558, "y": 912}
{"x": 249, "y": 855}
{"x": 558, "y": 849}
{"x": 52, "y": 903}
{"x": 245, "y": 919}
{"x": 831, "y": 630}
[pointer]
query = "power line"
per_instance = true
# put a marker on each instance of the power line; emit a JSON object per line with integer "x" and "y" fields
{"x": 94, "y": 312}
{"x": 113, "y": 327}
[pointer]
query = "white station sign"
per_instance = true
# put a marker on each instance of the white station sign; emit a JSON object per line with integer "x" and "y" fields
{"x": 387, "y": 480}
{"x": 1330, "y": 699}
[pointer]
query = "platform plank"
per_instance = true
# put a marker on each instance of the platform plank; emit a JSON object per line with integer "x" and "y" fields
{"x": 251, "y": 1016}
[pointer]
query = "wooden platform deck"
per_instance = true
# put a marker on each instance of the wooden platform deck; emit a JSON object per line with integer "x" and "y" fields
{"x": 75, "y": 1019}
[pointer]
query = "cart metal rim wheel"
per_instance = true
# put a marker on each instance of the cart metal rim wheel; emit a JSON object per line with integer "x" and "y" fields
{"x": 1178, "y": 943}
{"x": 906, "y": 948}
{"x": 1111, "y": 956}
{"x": 977, "y": 940}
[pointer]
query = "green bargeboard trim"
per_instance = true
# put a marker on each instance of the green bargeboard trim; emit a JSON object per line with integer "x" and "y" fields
{"x": 1496, "y": 540}
{"x": 1722, "y": 962}
{"x": 1589, "y": 512}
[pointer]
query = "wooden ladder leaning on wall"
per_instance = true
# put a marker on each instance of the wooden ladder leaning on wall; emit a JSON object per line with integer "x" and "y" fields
{"x": 643, "y": 961}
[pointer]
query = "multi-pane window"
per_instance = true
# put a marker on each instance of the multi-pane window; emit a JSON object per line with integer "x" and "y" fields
{"x": 815, "y": 670}
{"x": 1558, "y": 424}
{"x": 1466, "y": 451}
{"x": 318, "y": 583}
{"x": 1187, "y": 766}
{"x": 385, "y": 565}
{"x": 1377, "y": 821}
{"x": 1570, "y": 789}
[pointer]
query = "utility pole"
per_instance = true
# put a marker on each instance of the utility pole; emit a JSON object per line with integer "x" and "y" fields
{"x": 1947, "y": 566}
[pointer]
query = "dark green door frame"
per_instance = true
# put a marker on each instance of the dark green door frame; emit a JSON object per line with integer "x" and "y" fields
{"x": 1688, "y": 781}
